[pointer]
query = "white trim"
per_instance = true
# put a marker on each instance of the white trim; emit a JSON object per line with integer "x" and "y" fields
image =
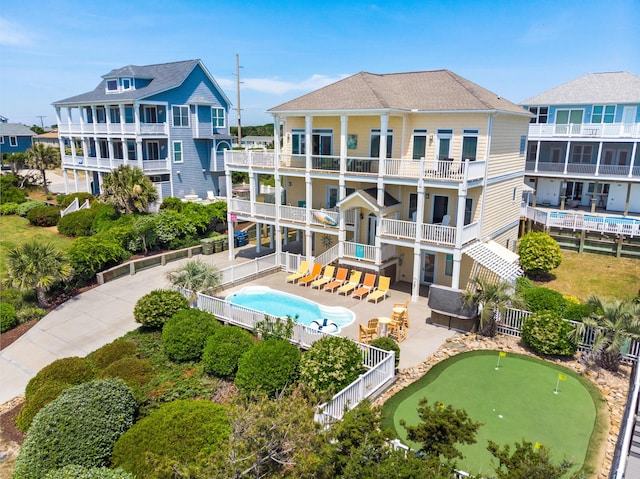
{"x": 180, "y": 115}
{"x": 497, "y": 259}
{"x": 173, "y": 151}
{"x": 214, "y": 117}
{"x": 13, "y": 141}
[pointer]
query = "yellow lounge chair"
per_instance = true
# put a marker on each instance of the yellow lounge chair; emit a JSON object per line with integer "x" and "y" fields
{"x": 315, "y": 273}
{"x": 304, "y": 267}
{"x": 384, "y": 282}
{"x": 341, "y": 277}
{"x": 354, "y": 281}
{"x": 367, "y": 286}
{"x": 327, "y": 276}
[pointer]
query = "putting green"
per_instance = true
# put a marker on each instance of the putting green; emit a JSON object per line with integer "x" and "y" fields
{"x": 514, "y": 402}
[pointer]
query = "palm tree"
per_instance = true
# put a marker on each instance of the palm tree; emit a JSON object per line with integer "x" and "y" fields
{"x": 128, "y": 189}
{"x": 196, "y": 276}
{"x": 615, "y": 322}
{"x": 43, "y": 157}
{"x": 36, "y": 266}
{"x": 493, "y": 298}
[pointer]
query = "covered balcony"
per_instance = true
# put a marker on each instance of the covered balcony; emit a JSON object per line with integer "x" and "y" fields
{"x": 584, "y": 130}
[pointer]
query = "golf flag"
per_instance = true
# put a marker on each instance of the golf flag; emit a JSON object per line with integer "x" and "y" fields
{"x": 537, "y": 445}
{"x": 562, "y": 377}
{"x": 503, "y": 354}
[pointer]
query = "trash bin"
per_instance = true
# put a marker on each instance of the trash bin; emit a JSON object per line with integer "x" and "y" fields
{"x": 207, "y": 245}
{"x": 241, "y": 238}
{"x": 217, "y": 244}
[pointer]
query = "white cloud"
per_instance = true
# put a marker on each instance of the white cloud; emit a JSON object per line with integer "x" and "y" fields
{"x": 12, "y": 34}
{"x": 281, "y": 87}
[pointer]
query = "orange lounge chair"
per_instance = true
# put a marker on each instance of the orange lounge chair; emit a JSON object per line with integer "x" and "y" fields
{"x": 352, "y": 284}
{"x": 384, "y": 283}
{"x": 367, "y": 286}
{"x": 302, "y": 271}
{"x": 341, "y": 277}
{"x": 315, "y": 273}
{"x": 326, "y": 278}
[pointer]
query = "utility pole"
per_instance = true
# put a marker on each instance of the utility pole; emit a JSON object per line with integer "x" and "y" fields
{"x": 41, "y": 121}
{"x": 238, "y": 108}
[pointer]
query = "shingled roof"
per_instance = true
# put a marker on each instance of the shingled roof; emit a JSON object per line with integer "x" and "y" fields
{"x": 439, "y": 90}
{"x": 607, "y": 87}
{"x": 15, "y": 129}
{"x": 163, "y": 77}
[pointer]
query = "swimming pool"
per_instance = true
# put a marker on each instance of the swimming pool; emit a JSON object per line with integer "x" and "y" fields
{"x": 278, "y": 303}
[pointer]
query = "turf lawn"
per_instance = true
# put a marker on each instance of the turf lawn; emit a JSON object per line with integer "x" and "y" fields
{"x": 514, "y": 402}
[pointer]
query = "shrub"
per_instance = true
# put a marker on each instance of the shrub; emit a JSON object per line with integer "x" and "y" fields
{"x": 135, "y": 372}
{"x": 112, "y": 352}
{"x": 540, "y": 298}
{"x": 330, "y": 364}
{"x": 73, "y": 370}
{"x": 269, "y": 366}
{"x": 172, "y": 203}
{"x": 577, "y": 312}
{"x": 388, "y": 344}
{"x": 178, "y": 432}
{"x": 155, "y": 308}
{"x": 37, "y": 400}
{"x": 44, "y": 216}
{"x": 546, "y": 333}
{"x": 8, "y": 208}
{"x": 539, "y": 253}
{"x": 223, "y": 350}
{"x": 78, "y": 223}
{"x": 30, "y": 313}
{"x": 523, "y": 283}
{"x": 12, "y": 194}
{"x": 88, "y": 255}
{"x": 8, "y": 318}
{"x": 80, "y": 472}
{"x": 79, "y": 427}
{"x": 66, "y": 200}
{"x": 23, "y": 208}
{"x": 185, "y": 334}
{"x": 104, "y": 216}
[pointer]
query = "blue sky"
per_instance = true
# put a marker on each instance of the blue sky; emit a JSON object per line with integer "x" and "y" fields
{"x": 53, "y": 50}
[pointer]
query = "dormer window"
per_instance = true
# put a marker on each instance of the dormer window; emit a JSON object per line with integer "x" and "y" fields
{"x": 127, "y": 84}
{"x": 119, "y": 85}
{"x": 112, "y": 85}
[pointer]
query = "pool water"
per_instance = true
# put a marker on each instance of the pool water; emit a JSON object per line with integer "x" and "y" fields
{"x": 278, "y": 303}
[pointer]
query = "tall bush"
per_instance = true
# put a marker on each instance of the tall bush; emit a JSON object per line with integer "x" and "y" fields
{"x": 155, "y": 308}
{"x": 91, "y": 254}
{"x": 185, "y": 333}
{"x": 78, "y": 223}
{"x": 80, "y": 427}
{"x": 546, "y": 333}
{"x": 71, "y": 370}
{"x": 539, "y": 253}
{"x": 270, "y": 366}
{"x": 8, "y": 317}
{"x": 223, "y": 350}
{"x": 44, "y": 216}
{"x": 540, "y": 298}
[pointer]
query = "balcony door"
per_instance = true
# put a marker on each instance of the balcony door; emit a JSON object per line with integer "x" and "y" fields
{"x": 428, "y": 275}
{"x": 568, "y": 122}
{"x": 628, "y": 120}
{"x": 372, "y": 224}
{"x": 440, "y": 208}
{"x": 150, "y": 114}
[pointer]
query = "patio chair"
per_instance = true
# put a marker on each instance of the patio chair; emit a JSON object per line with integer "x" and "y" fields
{"x": 339, "y": 280}
{"x": 368, "y": 333}
{"x": 401, "y": 312}
{"x": 352, "y": 284}
{"x": 326, "y": 277}
{"x": 312, "y": 276}
{"x": 304, "y": 267}
{"x": 367, "y": 286}
{"x": 397, "y": 331}
{"x": 384, "y": 282}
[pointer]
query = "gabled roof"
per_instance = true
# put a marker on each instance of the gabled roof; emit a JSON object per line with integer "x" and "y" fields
{"x": 608, "y": 87}
{"x": 164, "y": 76}
{"x": 368, "y": 199}
{"x": 15, "y": 129}
{"x": 439, "y": 90}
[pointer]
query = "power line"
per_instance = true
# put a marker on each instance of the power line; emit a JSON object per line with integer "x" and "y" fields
{"x": 41, "y": 122}
{"x": 238, "y": 108}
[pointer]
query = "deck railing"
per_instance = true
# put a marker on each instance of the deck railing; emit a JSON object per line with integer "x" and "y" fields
{"x": 75, "y": 206}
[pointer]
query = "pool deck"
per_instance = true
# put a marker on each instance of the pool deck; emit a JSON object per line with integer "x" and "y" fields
{"x": 423, "y": 339}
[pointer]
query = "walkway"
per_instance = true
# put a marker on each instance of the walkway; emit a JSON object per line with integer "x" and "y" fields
{"x": 103, "y": 314}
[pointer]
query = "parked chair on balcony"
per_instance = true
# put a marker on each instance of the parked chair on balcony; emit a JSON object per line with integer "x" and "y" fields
{"x": 368, "y": 285}
{"x": 325, "y": 279}
{"x": 302, "y": 271}
{"x": 368, "y": 333}
{"x": 352, "y": 284}
{"x": 401, "y": 312}
{"x": 312, "y": 276}
{"x": 339, "y": 280}
{"x": 384, "y": 282}
{"x": 446, "y": 219}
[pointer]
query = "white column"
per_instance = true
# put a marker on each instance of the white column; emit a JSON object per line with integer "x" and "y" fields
{"x": 382, "y": 157}
{"x": 455, "y": 277}
{"x": 633, "y": 157}
{"x": 415, "y": 282}
{"x": 230, "y": 211}
{"x": 598, "y": 159}
{"x": 75, "y": 180}
{"x": 566, "y": 156}
{"x": 88, "y": 179}
{"x": 66, "y": 179}
{"x": 308, "y": 126}
{"x": 342, "y": 184}
{"x": 258, "y": 236}
{"x": 139, "y": 152}
{"x": 122, "y": 118}
{"x": 537, "y": 156}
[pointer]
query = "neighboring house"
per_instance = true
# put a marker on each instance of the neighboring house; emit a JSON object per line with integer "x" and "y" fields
{"x": 49, "y": 138}
{"x": 15, "y": 138}
{"x": 408, "y": 175}
{"x": 170, "y": 119}
{"x": 583, "y": 144}
{"x": 256, "y": 141}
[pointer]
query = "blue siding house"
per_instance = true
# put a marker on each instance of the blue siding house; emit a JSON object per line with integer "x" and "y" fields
{"x": 583, "y": 144}
{"x": 15, "y": 138}
{"x": 170, "y": 119}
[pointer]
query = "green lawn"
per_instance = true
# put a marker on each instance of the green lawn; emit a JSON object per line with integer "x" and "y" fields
{"x": 17, "y": 230}
{"x": 515, "y": 402}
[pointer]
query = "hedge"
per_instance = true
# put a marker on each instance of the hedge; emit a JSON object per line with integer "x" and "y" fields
{"x": 80, "y": 472}
{"x": 37, "y": 400}
{"x": 8, "y": 317}
{"x": 546, "y": 333}
{"x": 77, "y": 223}
{"x": 223, "y": 350}
{"x": 156, "y": 308}
{"x": 388, "y": 344}
{"x": 185, "y": 334}
{"x": 72, "y": 370}
{"x": 540, "y": 298}
{"x": 89, "y": 255}
{"x": 112, "y": 352}
{"x": 44, "y": 216}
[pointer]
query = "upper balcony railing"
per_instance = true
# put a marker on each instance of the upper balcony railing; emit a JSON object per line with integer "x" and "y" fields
{"x": 112, "y": 163}
{"x": 291, "y": 214}
{"x": 584, "y": 130}
{"x": 439, "y": 170}
{"x": 585, "y": 169}
{"x": 112, "y": 129}
{"x": 431, "y": 233}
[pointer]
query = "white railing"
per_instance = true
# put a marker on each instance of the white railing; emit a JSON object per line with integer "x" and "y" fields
{"x": 75, "y": 206}
{"x": 328, "y": 256}
{"x": 359, "y": 251}
{"x": 587, "y": 130}
{"x": 334, "y": 215}
{"x": 581, "y": 169}
{"x": 265, "y": 210}
{"x": 511, "y": 323}
{"x": 398, "y": 228}
{"x": 431, "y": 233}
{"x": 155, "y": 165}
{"x": 293, "y": 213}
{"x": 470, "y": 232}
{"x": 439, "y": 234}
{"x": 153, "y": 128}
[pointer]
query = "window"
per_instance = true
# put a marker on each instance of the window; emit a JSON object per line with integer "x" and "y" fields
{"x": 128, "y": 114}
{"x": 298, "y": 140}
{"x": 444, "y": 144}
{"x": 118, "y": 152}
{"x": 375, "y": 143}
{"x": 523, "y": 144}
{"x": 582, "y": 154}
{"x": 1, "y": 140}
{"x": 541, "y": 114}
{"x": 468, "y": 211}
{"x": 177, "y": 152}
{"x": 89, "y": 114}
{"x": 101, "y": 114}
{"x": 217, "y": 117}
{"x": 112, "y": 85}
{"x": 181, "y": 116}
{"x": 131, "y": 150}
{"x": 532, "y": 152}
{"x": 603, "y": 114}
{"x": 150, "y": 114}
{"x": 103, "y": 145}
{"x": 469, "y": 144}
{"x": 448, "y": 265}
{"x": 153, "y": 150}
{"x": 419, "y": 144}
{"x": 573, "y": 117}
{"x": 413, "y": 206}
{"x": 555, "y": 155}
{"x": 13, "y": 141}
{"x": 114, "y": 114}
{"x": 127, "y": 84}
{"x": 603, "y": 189}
